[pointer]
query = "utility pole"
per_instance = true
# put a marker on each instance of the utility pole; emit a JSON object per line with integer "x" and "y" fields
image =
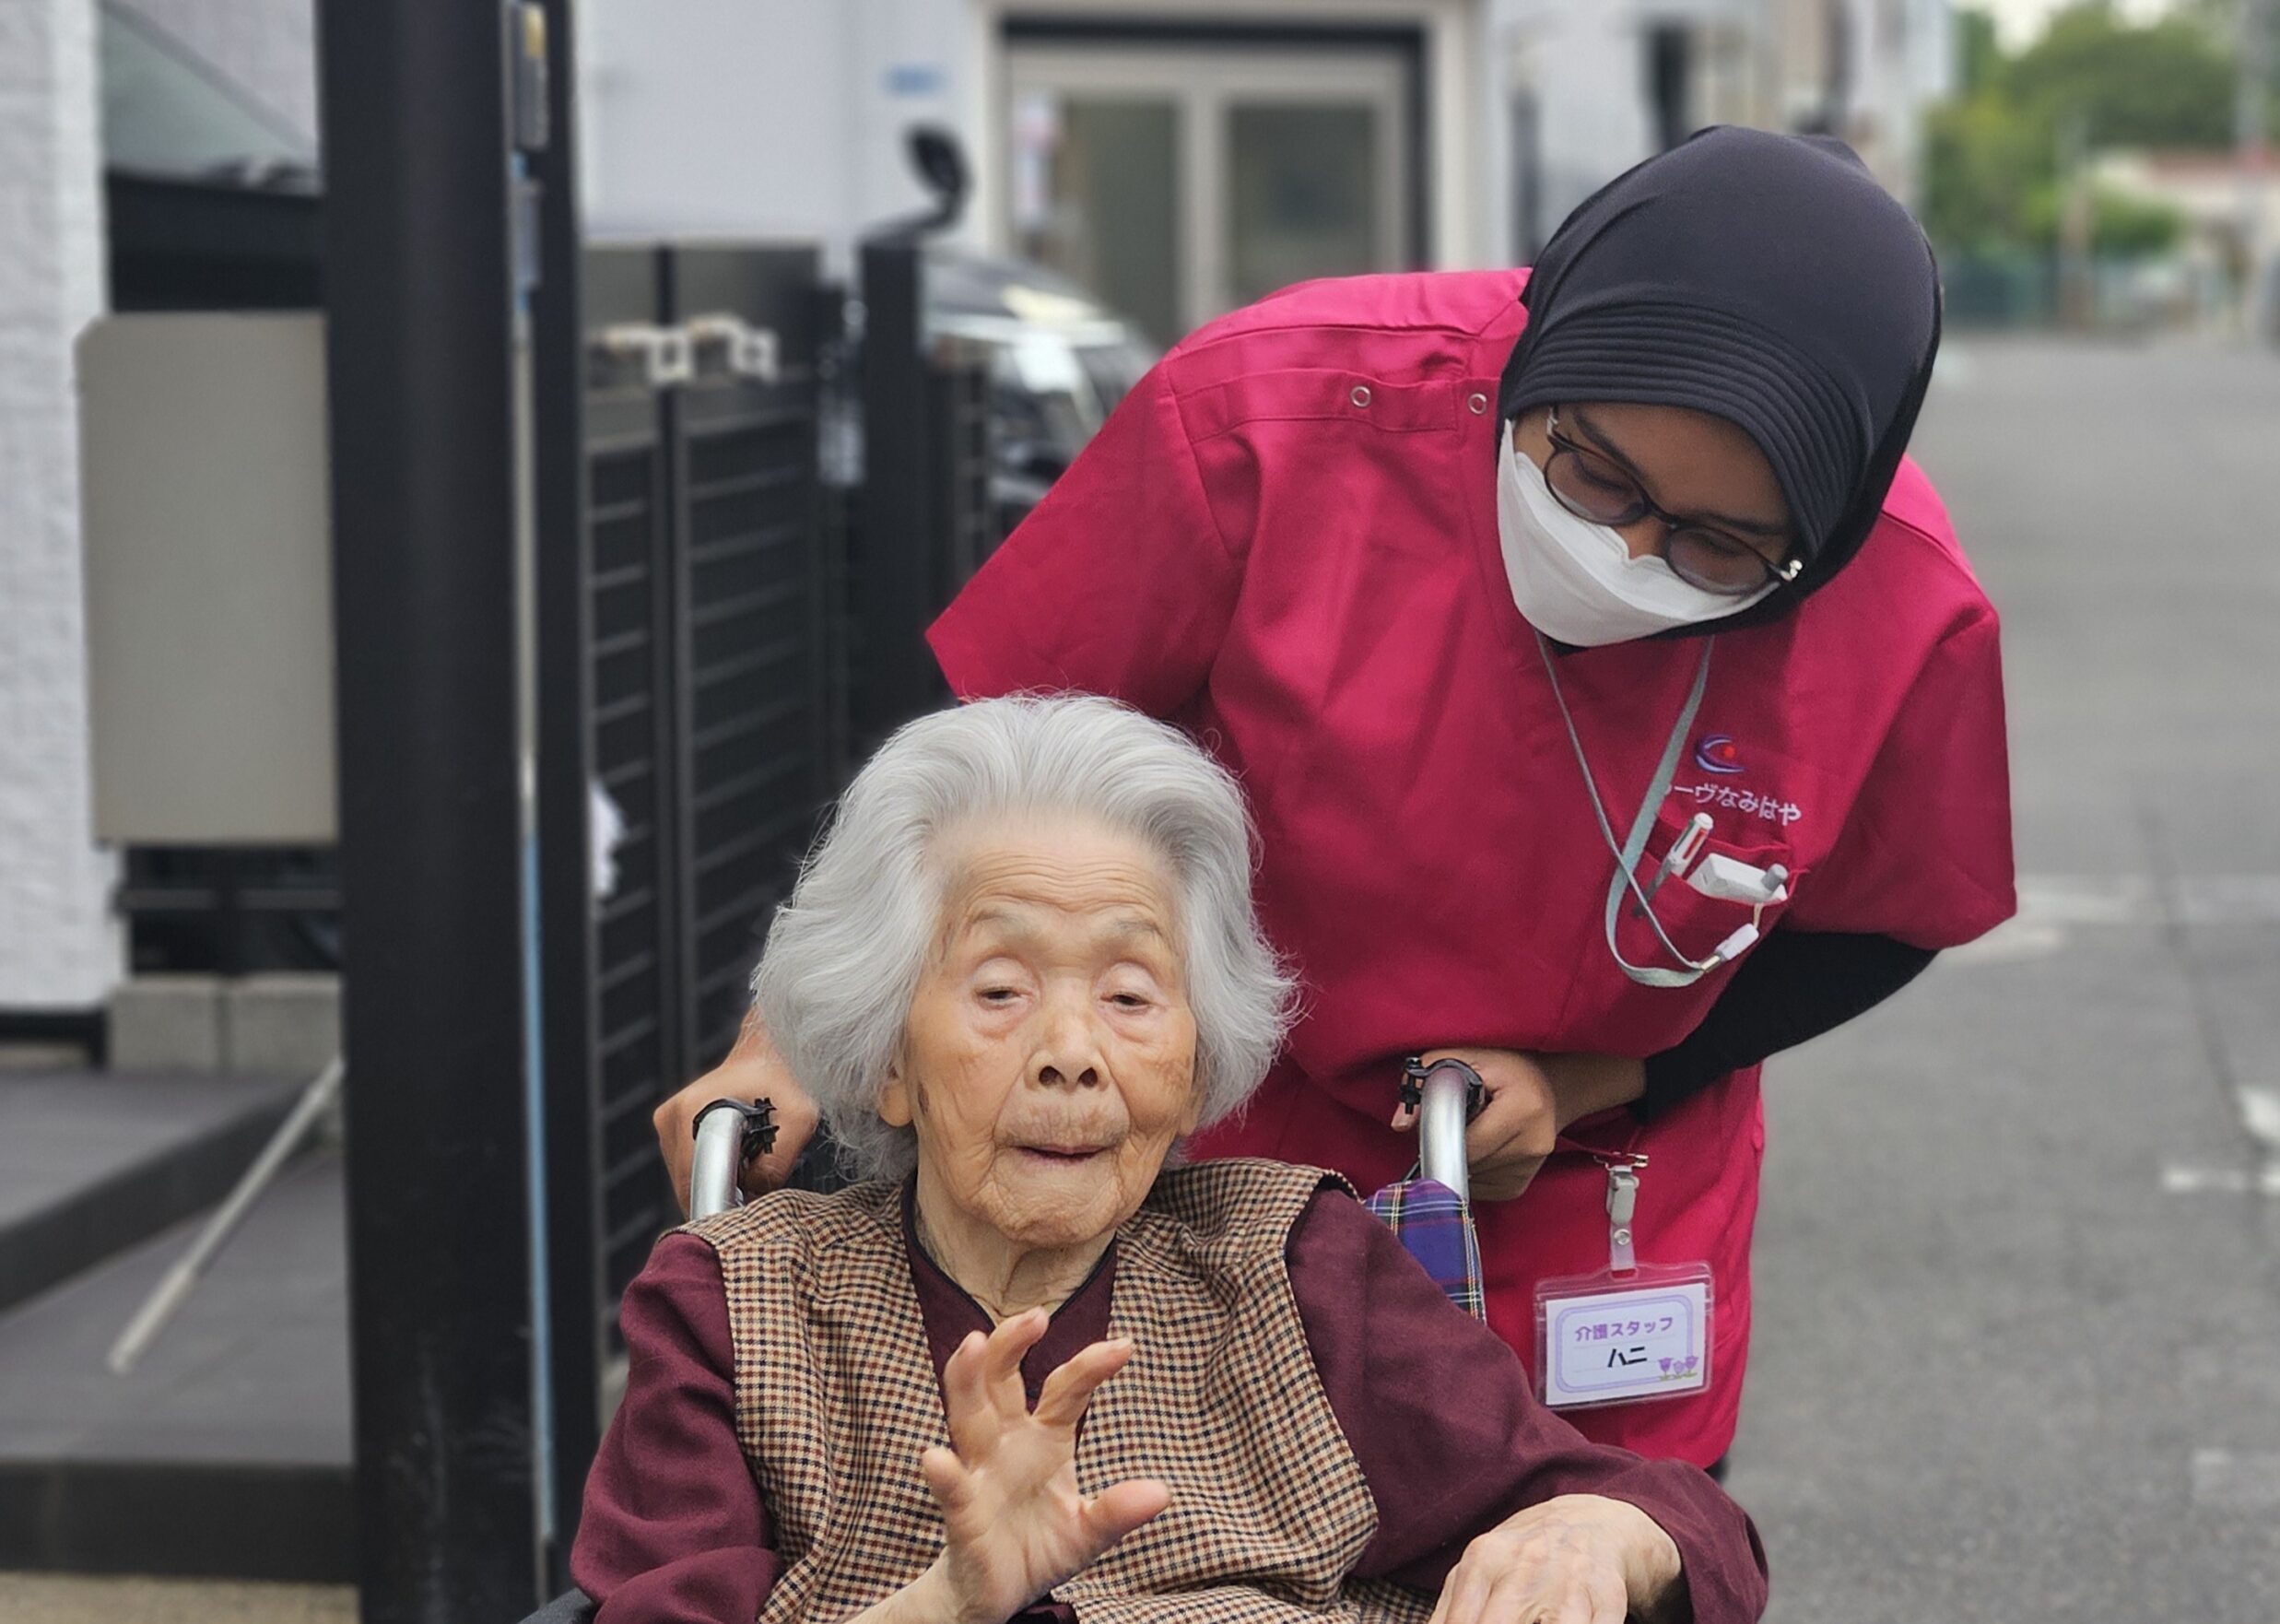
{"x": 2251, "y": 155}
{"x": 2077, "y": 221}
{"x": 1838, "y": 62}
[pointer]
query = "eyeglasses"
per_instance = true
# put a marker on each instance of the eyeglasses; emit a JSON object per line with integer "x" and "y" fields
{"x": 1592, "y": 486}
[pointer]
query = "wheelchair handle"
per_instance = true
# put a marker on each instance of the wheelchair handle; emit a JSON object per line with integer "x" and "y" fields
{"x": 1448, "y": 1094}
{"x": 729, "y": 1133}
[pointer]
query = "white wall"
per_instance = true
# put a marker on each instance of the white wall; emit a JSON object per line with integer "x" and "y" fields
{"x": 787, "y": 117}
{"x": 267, "y": 48}
{"x": 775, "y": 118}
{"x": 58, "y": 949}
{"x": 1582, "y": 61}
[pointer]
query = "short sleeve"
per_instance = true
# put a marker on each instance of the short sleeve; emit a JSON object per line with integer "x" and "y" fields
{"x": 1925, "y": 856}
{"x": 1119, "y": 583}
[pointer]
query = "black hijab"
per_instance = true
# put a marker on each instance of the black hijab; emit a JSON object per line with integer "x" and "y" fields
{"x": 1766, "y": 279}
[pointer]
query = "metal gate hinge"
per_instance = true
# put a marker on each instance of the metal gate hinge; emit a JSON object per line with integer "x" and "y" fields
{"x": 745, "y": 351}
{"x": 715, "y": 346}
{"x": 663, "y": 355}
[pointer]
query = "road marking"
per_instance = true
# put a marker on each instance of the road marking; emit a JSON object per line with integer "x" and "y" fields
{"x": 2230, "y": 899}
{"x": 2053, "y": 906}
{"x": 2079, "y": 898}
{"x": 2236, "y": 1480}
{"x": 2012, "y": 940}
{"x": 2260, "y": 1114}
{"x": 2179, "y": 1178}
{"x": 2135, "y": 898}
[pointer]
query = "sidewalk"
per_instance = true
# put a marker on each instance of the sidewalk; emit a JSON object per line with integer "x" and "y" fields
{"x": 50, "y": 1598}
{"x": 227, "y": 1451}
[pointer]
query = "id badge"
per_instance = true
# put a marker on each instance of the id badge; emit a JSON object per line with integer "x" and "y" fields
{"x": 1630, "y": 1333}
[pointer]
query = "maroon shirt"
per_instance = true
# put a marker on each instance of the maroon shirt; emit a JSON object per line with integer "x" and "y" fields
{"x": 1438, "y": 1412}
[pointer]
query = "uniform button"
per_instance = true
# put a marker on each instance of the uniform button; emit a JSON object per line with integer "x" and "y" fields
{"x": 1477, "y": 404}
{"x": 1361, "y": 397}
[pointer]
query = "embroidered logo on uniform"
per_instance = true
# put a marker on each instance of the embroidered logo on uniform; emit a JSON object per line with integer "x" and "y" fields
{"x": 1717, "y": 752}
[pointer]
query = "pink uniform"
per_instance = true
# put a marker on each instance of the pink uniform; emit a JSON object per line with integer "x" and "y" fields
{"x": 1287, "y": 541}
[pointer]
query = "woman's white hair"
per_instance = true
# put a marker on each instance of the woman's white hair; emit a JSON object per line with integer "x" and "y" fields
{"x": 847, "y": 949}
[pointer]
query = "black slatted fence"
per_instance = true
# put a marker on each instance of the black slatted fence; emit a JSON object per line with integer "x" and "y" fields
{"x": 711, "y": 665}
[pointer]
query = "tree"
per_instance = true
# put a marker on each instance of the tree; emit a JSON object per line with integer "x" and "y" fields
{"x": 2222, "y": 19}
{"x": 2167, "y": 84}
{"x": 1979, "y": 52}
{"x": 1983, "y": 165}
{"x": 2120, "y": 225}
{"x": 1990, "y": 160}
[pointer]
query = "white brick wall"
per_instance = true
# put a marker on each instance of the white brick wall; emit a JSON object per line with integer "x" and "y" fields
{"x": 58, "y": 949}
{"x": 267, "y": 48}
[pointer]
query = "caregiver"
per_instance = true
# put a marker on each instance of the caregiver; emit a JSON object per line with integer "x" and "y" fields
{"x": 1615, "y": 705}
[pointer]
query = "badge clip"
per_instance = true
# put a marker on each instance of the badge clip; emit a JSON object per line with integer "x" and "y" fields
{"x": 1622, "y": 1206}
{"x": 1629, "y": 1334}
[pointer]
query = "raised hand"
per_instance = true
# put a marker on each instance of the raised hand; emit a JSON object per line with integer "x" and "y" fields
{"x": 1014, "y": 1522}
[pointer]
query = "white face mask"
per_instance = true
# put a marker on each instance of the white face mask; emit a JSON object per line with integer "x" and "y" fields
{"x": 1576, "y": 582}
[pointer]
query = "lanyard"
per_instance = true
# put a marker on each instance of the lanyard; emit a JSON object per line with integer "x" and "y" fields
{"x": 1626, "y": 855}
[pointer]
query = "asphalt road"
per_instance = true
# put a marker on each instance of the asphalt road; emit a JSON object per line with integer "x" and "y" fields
{"x": 2017, "y": 1351}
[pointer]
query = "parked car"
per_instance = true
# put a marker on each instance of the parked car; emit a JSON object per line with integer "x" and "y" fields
{"x": 1060, "y": 361}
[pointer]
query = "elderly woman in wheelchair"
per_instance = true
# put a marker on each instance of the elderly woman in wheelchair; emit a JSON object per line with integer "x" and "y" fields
{"x": 1033, "y": 1369}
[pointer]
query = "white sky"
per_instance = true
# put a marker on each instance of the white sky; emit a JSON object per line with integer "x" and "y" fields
{"x": 2019, "y": 21}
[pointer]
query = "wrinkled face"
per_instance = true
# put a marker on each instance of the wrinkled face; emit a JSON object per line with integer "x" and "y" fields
{"x": 1048, "y": 1063}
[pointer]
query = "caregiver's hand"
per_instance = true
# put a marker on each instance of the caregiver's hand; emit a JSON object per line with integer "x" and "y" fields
{"x": 1531, "y": 1099}
{"x": 1014, "y": 1523}
{"x": 752, "y": 1071}
{"x": 1577, "y": 1558}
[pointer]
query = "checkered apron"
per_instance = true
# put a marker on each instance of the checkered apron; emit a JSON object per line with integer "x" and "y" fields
{"x": 836, "y": 1397}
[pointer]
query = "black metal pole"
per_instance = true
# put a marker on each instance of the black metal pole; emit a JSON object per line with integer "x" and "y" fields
{"x": 421, "y": 370}
{"x": 675, "y": 613}
{"x": 564, "y": 613}
{"x": 895, "y": 591}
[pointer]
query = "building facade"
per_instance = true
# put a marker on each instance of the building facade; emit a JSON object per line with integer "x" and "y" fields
{"x": 1184, "y": 156}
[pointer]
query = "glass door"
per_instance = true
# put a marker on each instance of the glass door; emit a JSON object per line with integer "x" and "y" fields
{"x": 1179, "y": 182}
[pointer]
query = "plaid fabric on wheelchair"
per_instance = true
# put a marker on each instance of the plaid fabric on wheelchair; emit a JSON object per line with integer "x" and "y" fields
{"x": 1437, "y": 1229}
